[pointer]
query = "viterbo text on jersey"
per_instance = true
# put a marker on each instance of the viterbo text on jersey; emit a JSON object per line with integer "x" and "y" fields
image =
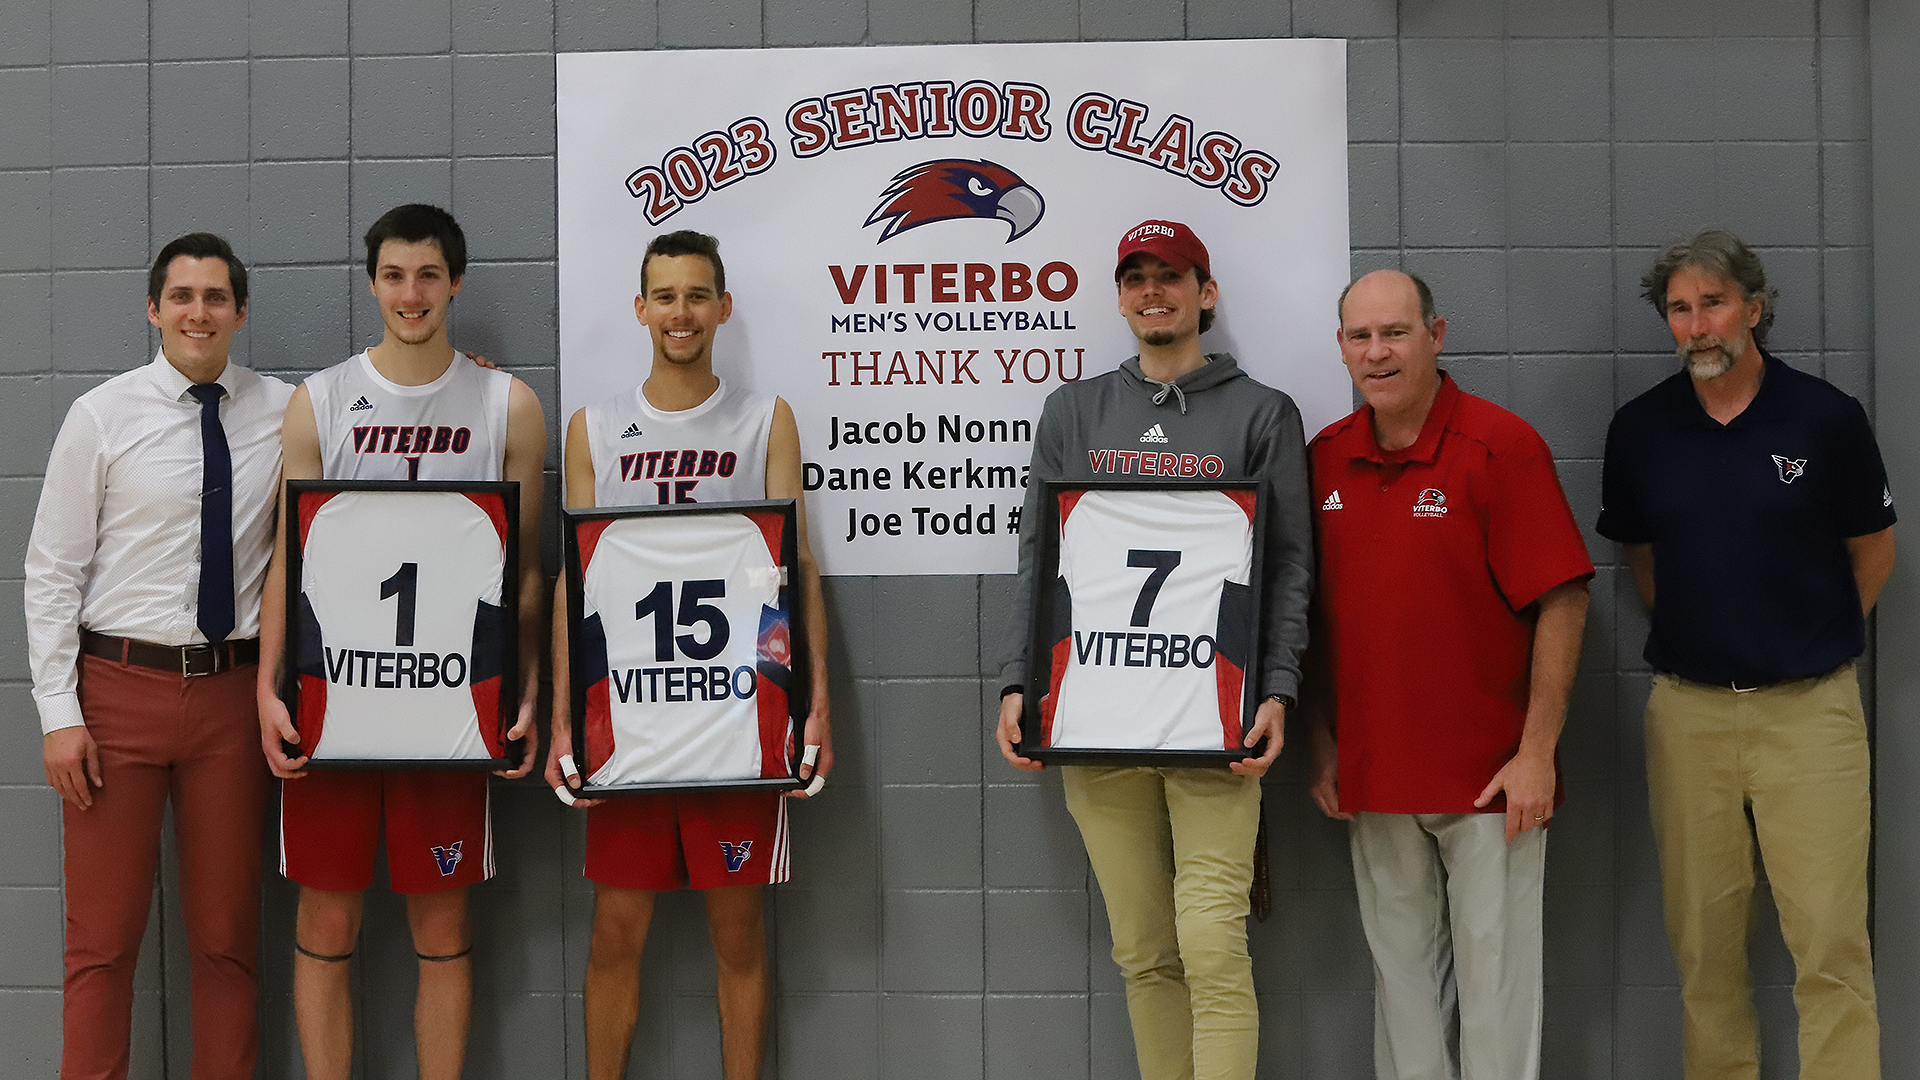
{"x": 394, "y": 670}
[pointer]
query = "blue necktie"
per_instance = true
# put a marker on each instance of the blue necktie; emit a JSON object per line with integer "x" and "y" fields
{"x": 216, "y": 517}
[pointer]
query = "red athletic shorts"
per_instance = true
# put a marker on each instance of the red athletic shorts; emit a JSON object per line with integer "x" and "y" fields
{"x": 439, "y": 829}
{"x": 704, "y": 839}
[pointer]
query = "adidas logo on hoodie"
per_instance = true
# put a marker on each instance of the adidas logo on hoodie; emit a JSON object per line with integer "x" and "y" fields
{"x": 1333, "y": 501}
{"x": 1154, "y": 434}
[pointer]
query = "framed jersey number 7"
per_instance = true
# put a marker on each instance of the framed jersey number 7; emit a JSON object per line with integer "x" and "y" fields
{"x": 1146, "y": 624}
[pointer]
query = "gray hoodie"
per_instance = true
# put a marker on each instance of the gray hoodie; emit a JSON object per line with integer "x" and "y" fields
{"x": 1093, "y": 430}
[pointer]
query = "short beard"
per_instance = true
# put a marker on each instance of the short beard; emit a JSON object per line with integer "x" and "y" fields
{"x": 1716, "y": 360}
{"x": 1159, "y": 338}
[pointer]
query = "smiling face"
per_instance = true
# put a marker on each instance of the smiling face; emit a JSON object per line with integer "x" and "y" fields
{"x": 1712, "y": 325}
{"x": 197, "y": 313}
{"x": 1392, "y": 353}
{"x": 681, "y": 308}
{"x": 414, "y": 289}
{"x": 1162, "y": 305}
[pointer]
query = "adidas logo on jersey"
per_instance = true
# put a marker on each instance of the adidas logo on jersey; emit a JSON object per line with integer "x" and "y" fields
{"x": 1154, "y": 434}
{"x": 1333, "y": 501}
{"x": 360, "y": 406}
{"x": 632, "y": 430}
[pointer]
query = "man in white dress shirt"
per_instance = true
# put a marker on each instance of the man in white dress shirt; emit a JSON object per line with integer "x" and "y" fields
{"x": 144, "y": 574}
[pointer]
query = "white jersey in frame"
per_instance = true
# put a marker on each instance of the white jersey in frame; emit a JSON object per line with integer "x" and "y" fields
{"x": 1151, "y": 620}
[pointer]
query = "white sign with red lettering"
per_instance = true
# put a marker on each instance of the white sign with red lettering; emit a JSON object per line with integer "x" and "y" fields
{"x": 920, "y": 245}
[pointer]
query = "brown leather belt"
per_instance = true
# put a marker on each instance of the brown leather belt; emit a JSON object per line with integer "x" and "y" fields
{"x": 184, "y": 660}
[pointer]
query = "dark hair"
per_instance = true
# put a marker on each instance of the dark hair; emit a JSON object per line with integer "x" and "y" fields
{"x": 1201, "y": 277}
{"x": 198, "y": 245}
{"x": 413, "y": 223}
{"x": 1717, "y": 252}
{"x": 686, "y": 242}
{"x": 1427, "y": 312}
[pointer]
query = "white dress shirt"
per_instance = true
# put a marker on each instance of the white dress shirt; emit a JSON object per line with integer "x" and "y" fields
{"x": 116, "y": 539}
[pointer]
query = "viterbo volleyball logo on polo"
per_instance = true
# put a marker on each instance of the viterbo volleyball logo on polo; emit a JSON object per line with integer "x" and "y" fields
{"x": 1432, "y": 502}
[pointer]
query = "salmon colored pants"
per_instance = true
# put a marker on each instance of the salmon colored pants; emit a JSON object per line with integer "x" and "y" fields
{"x": 195, "y": 741}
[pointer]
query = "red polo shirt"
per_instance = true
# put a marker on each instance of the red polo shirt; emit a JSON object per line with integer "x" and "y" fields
{"x": 1429, "y": 558}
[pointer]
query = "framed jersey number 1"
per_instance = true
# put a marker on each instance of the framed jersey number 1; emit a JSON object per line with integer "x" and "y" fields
{"x": 1146, "y": 624}
{"x": 401, "y": 624}
{"x": 684, "y": 638}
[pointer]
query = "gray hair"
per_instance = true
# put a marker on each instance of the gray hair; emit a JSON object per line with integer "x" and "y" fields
{"x": 1720, "y": 253}
{"x": 1427, "y": 311}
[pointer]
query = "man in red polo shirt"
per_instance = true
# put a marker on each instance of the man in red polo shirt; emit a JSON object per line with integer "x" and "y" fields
{"x": 1452, "y": 596}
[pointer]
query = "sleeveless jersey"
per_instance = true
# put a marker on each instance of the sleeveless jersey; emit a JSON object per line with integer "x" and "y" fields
{"x": 409, "y": 657}
{"x": 713, "y": 452}
{"x": 453, "y": 428}
{"x": 636, "y": 729}
{"x": 1151, "y": 615}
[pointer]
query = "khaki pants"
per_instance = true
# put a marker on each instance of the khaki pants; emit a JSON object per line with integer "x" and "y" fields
{"x": 1796, "y": 754}
{"x": 1173, "y": 851}
{"x": 1452, "y": 913}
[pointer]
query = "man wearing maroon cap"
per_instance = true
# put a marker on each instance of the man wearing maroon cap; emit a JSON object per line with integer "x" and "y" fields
{"x": 1173, "y": 847}
{"x": 1453, "y": 593}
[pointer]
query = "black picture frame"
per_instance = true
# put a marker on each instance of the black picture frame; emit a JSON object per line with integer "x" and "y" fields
{"x": 1048, "y": 622}
{"x": 298, "y": 643}
{"x": 580, "y": 678}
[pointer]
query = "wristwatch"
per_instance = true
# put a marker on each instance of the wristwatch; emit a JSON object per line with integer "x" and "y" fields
{"x": 1287, "y": 701}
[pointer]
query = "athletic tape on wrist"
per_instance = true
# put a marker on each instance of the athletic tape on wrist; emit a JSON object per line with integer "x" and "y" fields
{"x": 560, "y": 791}
{"x": 568, "y": 768}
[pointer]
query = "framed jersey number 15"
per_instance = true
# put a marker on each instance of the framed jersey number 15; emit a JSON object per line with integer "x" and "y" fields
{"x": 684, "y": 643}
{"x": 401, "y": 632}
{"x": 1146, "y": 624}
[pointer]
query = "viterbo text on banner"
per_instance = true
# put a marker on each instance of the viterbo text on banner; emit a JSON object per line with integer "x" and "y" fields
{"x": 920, "y": 246}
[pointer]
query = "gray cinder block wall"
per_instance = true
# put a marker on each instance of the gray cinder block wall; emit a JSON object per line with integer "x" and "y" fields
{"x": 1527, "y": 156}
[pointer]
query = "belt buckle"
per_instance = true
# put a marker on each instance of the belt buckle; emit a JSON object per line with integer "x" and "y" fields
{"x": 197, "y": 660}
{"x": 1738, "y": 689}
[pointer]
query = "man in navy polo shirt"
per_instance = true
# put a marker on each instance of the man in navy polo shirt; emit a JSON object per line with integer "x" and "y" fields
{"x": 1756, "y": 516}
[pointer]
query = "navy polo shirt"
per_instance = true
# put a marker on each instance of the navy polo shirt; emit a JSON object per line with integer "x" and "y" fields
{"x": 1748, "y": 522}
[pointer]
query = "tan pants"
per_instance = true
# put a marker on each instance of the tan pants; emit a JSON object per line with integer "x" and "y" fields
{"x": 1797, "y": 755}
{"x": 1173, "y": 851}
{"x": 1452, "y": 913}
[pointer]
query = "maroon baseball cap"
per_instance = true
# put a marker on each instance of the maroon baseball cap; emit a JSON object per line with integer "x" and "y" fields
{"x": 1168, "y": 241}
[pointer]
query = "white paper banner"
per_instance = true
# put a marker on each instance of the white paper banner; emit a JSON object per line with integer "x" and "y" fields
{"x": 920, "y": 242}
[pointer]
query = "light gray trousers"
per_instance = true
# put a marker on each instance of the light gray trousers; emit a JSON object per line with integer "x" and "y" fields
{"x": 1452, "y": 914}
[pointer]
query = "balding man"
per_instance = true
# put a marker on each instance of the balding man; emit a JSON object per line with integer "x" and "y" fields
{"x": 1452, "y": 596}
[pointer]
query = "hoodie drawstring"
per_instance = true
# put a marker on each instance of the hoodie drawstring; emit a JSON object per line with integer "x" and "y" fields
{"x": 1170, "y": 388}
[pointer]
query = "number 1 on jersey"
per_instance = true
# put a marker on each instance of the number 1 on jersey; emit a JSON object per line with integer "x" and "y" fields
{"x": 405, "y": 581}
{"x": 1162, "y": 563}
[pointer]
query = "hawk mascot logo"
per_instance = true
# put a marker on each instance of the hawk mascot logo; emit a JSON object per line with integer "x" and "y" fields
{"x": 957, "y": 188}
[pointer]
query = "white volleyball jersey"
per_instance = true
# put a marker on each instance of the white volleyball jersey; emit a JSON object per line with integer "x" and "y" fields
{"x": 453, "y": 428}
{"x": 1152, "y": 614}
{"x": 402, "y": 646}
{"x": 713, "y": 452}
{"x": 685, "y": 649}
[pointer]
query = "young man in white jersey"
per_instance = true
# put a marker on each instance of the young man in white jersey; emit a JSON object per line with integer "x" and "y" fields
{"x": 685, "y": 435}
{"x": 369, "y": 419}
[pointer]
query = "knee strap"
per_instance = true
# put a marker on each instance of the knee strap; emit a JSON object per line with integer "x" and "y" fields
{"x": 444, "y": 959}
{"x": 322, "y": 957}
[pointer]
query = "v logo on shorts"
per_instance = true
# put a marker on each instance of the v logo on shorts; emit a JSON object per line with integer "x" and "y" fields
{"x": 735, "y": 854}
{"x": 448, "y": 857}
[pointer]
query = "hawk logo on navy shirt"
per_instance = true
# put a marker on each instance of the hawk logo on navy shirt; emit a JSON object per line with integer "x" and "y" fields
{"x": 448, "y": 857}
{"x": 632, "y": 430}
{"x": 736, "y": 854}
{"x": 1432, "y": 502}
{"x": 1791, "y": 469}
{"x": 957, "y": 188}
{"x": 360, "y": 406}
